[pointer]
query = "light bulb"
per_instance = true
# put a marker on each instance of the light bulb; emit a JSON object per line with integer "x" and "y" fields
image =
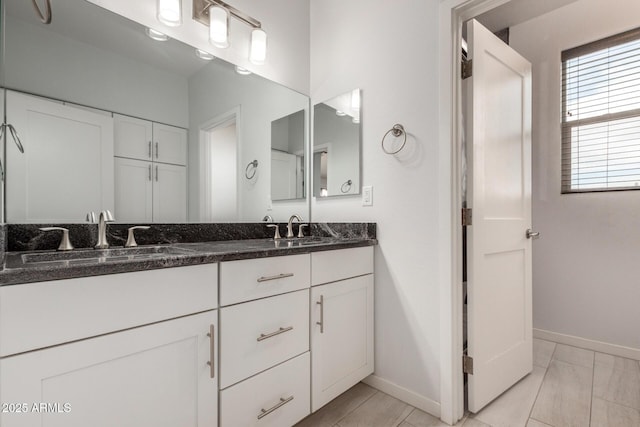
{"x": 355, "y": 99}
{"x": 170, "y": 12}
{"x": 156, "y": 35}
{"x": 219, "y": 26}
{"x": 340, "y": 113}
{"x": 204, "y": 55}
{"x": 242, "y": 71}
{"x": 258, "y": 49}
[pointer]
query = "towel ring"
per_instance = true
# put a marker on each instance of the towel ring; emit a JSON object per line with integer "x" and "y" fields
{"x": 397, "y": 130}
{"x": 346, "y": 184}
{"x": 45, "y": 17}
{"x": 251, "y": 167}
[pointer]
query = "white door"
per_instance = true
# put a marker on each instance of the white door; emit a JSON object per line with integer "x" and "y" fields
{"x": 169, "y": 193}
{"x": 133, "y": 137}
{"x": 170, "y": 144}
{"x": 155, "y": 375}
{"x": 341, "y": 337}
{"x": 499, "y": 194}
{"x": 283, "y": 175}
{"x": 40, "y": 189}
{"x": 133, "y": 190}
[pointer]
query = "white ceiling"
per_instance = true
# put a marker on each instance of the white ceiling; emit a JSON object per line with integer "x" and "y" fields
{"x": 518, "y": 11}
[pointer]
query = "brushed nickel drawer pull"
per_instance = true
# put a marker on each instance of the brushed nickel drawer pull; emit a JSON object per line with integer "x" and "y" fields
{"x": 277, "y": 276}
{"x": 273, "y": 334}
{"x": 212, "y": 350}
{"x": 149, "y": 149}
{"x": 283, "y": 401}
{"x": 321, "y": 322}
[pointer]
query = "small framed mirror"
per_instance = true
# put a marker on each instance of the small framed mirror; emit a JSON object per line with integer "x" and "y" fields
{"x": 337, "y": 135}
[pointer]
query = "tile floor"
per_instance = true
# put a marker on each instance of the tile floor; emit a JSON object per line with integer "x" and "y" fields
{"x": 569, "y": 386}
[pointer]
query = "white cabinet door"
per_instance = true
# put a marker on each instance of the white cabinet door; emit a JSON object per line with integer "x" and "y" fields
{"x": 341, "y": 337}
{"x": 169, "y": 193}
{"x": 170, "y": 144}
{"x": 284, "y": 176}
{"x": 133, "y": 137}
{"x": 40, "y": 190}
{"x": 156, "y": 375}
{"x": 133, "y": 190}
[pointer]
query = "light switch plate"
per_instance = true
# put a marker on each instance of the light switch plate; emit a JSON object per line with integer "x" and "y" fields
{"x": 367, "y": 195}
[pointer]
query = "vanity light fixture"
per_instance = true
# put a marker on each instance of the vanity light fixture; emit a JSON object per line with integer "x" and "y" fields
{"x": 242, "y": 71}
{"x": 215, "y": 14}
{"x": 170, "y": 12}
{"x": 156, "y": 35}
{"x": 204, "y": 55}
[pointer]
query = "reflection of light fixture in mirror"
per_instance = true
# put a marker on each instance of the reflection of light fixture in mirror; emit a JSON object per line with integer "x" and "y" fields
{"x": 219, "y": 26}
{"x": 170, "y": 12}
{"x": 355, "y": 99}
{"x": 323, "y": 192}
{"x": 242, "y": 71}
{"x": 215, "y": 14}
{"x": 340, "y": 113}
{"x": 156, "y": 35}
{"x": 356, "y": 120}
{"x": 258, "y": 49}
{"x": 204, "y": 55}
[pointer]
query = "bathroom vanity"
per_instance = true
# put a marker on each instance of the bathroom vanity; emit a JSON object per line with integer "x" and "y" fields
{"x": 233, "y": 333}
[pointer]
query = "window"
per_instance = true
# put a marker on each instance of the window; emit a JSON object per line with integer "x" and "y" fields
{"x": 601, "y": 115}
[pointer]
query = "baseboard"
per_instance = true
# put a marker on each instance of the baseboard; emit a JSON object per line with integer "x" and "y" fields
{"x": 602, "y": 347}
{"x": 424, "y": 404}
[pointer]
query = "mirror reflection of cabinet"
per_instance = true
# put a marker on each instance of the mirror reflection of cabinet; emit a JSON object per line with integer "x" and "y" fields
{"x": 336, "y": 146}
{"x": 150, "y": 171}
{"x": 66, "y": 169}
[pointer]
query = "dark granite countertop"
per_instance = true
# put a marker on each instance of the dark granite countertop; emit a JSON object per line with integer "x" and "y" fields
{"x": 15, "y": 271}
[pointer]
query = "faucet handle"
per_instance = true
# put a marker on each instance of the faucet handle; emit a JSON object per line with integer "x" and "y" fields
{"x": 91, "y": 217}
{"x": 131, "y": 239}
{"x": 300, "y": 232}
{"x": 106, "y": 214}
{"x": 276, "y": 236}
{"x": 65, "y": 244}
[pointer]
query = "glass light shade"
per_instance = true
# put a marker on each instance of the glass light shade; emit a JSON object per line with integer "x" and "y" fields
{"x": 219, "y": 26}
{"x": 340, "y": 113}
{"x": 204, "y": 55}
{"x": 258, "y": 49}
{"x": 170, "y": 12}
{"x": 156, "y": 35}
{"x": 355, "y": 99}
{"x": 242, "y": 71}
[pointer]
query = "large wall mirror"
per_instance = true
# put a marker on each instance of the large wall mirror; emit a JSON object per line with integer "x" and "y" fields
{"x": 156, "y": 131}
{"x": 337, "y": 133}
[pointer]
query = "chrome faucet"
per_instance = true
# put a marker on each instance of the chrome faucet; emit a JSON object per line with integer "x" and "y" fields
{"x": 290, "y": 225}
{"x": 105, "y": 217}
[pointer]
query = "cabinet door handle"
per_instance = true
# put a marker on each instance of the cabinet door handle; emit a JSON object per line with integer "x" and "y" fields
{"x": 321, "y": 322}
{"x": 277, "y": 276}
{"x": 212, "y": 350}
{"x": 273, "y": 334}
{"x": 156, "y": 173}
{"x": 149, "y": 172}
{"x": 283, "y": 401}
{"x": 149, "y": 149}
{"x": 157, "y": 150}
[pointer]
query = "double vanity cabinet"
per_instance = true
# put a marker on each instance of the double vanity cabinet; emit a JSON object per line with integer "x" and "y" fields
{"x": 261, "y": 341}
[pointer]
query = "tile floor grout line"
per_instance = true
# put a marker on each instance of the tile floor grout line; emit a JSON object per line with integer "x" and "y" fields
{"x": 593, "y": 380}
{"x": 540, "y": 387}
{"x": 408, "y": 415}
{"x": 337, "y": 424}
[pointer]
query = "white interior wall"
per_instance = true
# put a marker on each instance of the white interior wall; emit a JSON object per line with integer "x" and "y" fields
{"x": 260, "y": 103}
{"x": 285, "y": 21}
{"x": 48, "y": 64}
{"x": 390, "y": 52}
{"x": 585, "y": 266}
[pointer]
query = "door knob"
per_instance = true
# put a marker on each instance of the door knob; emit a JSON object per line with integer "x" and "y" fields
{"x": 532, "y": 234}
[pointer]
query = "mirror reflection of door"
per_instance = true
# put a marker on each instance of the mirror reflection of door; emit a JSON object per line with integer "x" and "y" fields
{"x": 320, "y": 166}
{"x": 287, "y": 157}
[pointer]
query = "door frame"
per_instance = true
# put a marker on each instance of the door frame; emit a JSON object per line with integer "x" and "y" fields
{"x": 452, "y": 15}
{"x": 221, "y": 120}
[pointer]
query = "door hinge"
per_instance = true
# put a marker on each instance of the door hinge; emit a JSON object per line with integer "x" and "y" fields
{"x": 466, "y": 216}
{"x": 467, "y": 364}
{"x": 467, "y": 68}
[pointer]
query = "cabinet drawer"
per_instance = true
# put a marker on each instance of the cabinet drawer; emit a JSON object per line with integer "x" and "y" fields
{"x": 330, "y": 266}
{"x": 36, "y": 315}
{"x": 251, "y": 279}
{"x": 256, "y": 335}
{"x": 278, "y": 397}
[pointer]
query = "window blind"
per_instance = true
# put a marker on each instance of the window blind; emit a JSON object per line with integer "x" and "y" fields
{"x": 601, "y": 115}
